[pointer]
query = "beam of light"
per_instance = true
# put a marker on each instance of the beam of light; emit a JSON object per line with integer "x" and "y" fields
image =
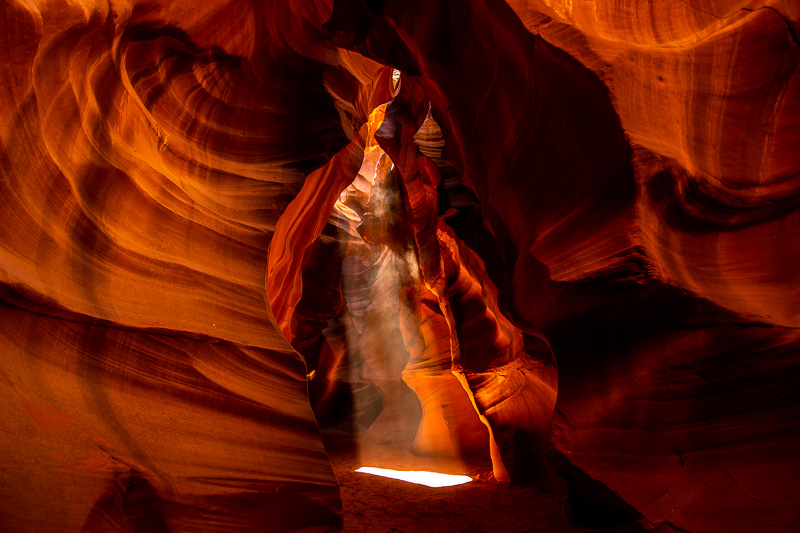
{"x": 430, "y": 479}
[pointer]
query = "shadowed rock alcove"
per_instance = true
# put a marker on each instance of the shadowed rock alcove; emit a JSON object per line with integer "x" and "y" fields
{"x": 249, "y": 247}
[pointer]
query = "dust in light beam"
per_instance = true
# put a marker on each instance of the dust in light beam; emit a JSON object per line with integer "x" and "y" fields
{"x": 430, "y": 479}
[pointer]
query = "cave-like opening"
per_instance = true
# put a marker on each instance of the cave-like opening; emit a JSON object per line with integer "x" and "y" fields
{"x": 393, "y": 375}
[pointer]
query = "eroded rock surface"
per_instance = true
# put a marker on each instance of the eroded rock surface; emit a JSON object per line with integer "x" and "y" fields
{"x": 568, "y": 243}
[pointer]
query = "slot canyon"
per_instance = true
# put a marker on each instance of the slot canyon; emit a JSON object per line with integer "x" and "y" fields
{"x": 248, "y": 247}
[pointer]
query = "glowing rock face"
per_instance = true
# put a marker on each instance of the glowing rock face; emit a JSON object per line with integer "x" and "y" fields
{"x": 597, "y": 218}
{"x": 420, "y": 477}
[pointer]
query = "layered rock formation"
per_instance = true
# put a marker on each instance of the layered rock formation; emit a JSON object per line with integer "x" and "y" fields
{"x": 567, "y": 244}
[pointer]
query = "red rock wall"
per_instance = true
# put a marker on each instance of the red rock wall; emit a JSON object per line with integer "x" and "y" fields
{"x": 148, "y": 153}
{"x": 633, "y": 173}
{"x": 191, "y": 226}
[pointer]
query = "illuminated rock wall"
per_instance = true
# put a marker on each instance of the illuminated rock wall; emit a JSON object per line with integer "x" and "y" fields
{"x": 592, "y": 218}
{"x": 148, "y": 152}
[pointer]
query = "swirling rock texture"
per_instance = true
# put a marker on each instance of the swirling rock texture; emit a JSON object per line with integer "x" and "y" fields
{"x": 567, "y": 244}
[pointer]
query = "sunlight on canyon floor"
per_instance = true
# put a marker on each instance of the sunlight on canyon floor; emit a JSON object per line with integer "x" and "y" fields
{"x": 420, "y": 477}
{"x": 378, "y": 504}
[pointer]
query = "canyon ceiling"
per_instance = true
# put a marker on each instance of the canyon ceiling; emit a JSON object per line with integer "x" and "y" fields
{"x": 561, "y": 237}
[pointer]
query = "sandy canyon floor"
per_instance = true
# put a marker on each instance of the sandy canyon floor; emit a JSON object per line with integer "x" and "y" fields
{"x": 377, "y": 504}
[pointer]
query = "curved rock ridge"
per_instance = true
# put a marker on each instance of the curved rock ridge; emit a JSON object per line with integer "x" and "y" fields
{"x": 149, "y": 151}
{"x": 717, "y": 162}
{"x": 568, "y": 242}
{"x": 398, "y": 280}
{"x": 632, "y": 169}
{"x": 108, "y": 429}
{"x": 478, "y": 338}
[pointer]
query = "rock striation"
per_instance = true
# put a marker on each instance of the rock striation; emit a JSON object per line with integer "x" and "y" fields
{"x": 557, "y": 237}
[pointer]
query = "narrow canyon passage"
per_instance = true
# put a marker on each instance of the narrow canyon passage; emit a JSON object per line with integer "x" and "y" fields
{"x": 382, "y": 383}
{"x": 247, "y": 247}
